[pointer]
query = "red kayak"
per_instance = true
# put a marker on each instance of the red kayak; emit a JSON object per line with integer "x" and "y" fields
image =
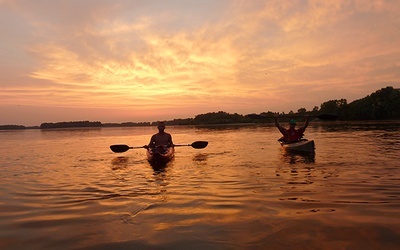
{"x": 160, "y": 156}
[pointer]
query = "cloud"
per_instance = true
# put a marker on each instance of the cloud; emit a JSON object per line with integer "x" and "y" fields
{"x": 240, "y": 56}
{"x": 162, "y": 68}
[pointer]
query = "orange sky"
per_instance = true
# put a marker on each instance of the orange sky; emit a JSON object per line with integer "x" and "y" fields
{"x": 134, "y": 60}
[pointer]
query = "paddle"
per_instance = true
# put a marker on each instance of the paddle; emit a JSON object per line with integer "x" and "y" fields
{"x": 196, "y": 144}
{"x": 120, "y": 148}
{"x": 330, "y": 117}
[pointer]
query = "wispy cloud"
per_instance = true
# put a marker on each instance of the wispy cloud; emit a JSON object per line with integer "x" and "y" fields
{"x": 238, "y": 56}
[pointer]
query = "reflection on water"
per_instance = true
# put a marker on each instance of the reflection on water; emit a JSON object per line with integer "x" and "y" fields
{"x": 67, "y": 190}
{"x": 158, "y": 168}
{"x": 200, "y": 157}
{"x": 297, "y": 157}
{"x": 120, "y": 162}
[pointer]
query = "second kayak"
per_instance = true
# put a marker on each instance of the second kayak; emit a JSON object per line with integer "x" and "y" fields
{"x": 303, "y": 145}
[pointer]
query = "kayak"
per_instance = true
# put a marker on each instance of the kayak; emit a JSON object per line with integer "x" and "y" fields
{"x": 303, "y": 145}
{"x": 160, "y": 156}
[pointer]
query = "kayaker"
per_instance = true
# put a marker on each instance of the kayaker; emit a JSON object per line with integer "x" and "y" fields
{"x": 161, "y": 139}
{"x": 292, "y": 134}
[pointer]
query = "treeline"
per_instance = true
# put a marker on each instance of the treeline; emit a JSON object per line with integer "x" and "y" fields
{"x": 11, "y": 127}
{"x": 127, "y": 124}
{"x": 383, "y": 104}
{"x": 75, "y": 124}
{"x": 219, "y": 117}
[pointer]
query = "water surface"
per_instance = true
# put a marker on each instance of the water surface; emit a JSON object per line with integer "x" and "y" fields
{"x": 65, "y": 189}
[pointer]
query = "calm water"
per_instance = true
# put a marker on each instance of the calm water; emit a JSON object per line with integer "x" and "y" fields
{"x": 64, "y": 189}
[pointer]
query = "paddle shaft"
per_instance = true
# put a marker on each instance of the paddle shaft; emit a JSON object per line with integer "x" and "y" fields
{"x": 120, "y": 148}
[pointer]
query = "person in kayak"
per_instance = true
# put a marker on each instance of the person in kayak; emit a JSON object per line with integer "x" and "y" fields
{"x": 292, "y": 134}
{"x": 161, "y": 139}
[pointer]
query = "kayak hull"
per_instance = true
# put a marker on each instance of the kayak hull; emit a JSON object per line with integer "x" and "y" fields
{"x": 159, "y": 157}
{"x": 303, "y": 145}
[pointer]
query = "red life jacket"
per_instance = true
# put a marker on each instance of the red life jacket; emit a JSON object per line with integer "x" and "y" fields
{"x": 293, "y": 135}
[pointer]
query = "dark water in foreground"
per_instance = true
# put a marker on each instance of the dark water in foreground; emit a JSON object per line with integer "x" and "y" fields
{"x": 64, "y": 189}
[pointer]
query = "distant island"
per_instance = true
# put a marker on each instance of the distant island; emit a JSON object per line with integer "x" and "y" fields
{"x": 78, "y": 124}
{"x": 383, "y": 104}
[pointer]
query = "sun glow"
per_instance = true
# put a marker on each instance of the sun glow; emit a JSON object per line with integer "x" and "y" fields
{"x": 239, "y": 56}
{"x": 169, "y": 72}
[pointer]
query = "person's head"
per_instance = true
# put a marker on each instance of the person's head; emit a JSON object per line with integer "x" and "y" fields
{"x": 161, "y": 126}
{"x": 292, "y": 123}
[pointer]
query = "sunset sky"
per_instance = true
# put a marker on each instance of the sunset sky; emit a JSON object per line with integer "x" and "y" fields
{"x": 148, "y": 60}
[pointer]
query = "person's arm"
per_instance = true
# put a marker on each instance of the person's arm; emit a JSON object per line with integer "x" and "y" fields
{"x": 277, "y": 123}
{"x": 305, "y": 124}
{"x": 301, "y": 130}
{"x": 152, "y": 142}
{"x": 281, "y": 129}
{"x": 170, "y": 143}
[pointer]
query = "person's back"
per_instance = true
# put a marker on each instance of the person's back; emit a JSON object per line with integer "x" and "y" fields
{"x": 161, "y": 138}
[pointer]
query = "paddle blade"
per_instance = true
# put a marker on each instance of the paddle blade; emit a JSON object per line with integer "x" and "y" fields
{"x": 119, "y": 148}
{"x": 199, "y": 144}
{"x": 330, "y": 117}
